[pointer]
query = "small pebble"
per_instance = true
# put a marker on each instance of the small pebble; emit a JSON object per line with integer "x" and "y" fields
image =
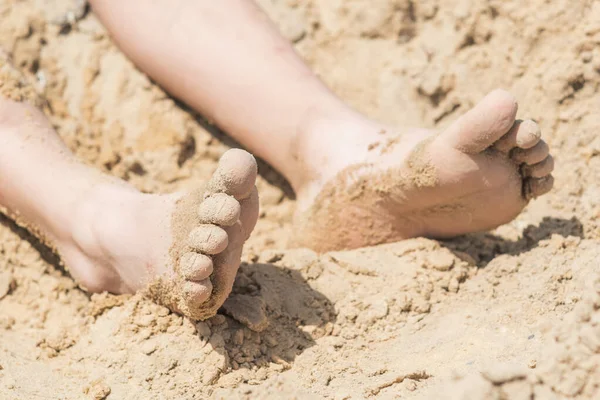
{"x": 6, "y": 283}
{"x": 238, "y": 337}
{"x": 148, "y": 347}
{"x": 410, "y": 385}
{"x": 217, "y": 320}
{"x": 203, "y": 329}
{"x": 98, "y": 390}
{"x": 442, "y": 261}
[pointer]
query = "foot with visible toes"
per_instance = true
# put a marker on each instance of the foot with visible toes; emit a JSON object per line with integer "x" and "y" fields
{"x": 183, "y": 248}
{"x": 379, "y": 187}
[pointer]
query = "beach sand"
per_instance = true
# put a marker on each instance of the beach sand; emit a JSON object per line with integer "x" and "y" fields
{"x": 510, "y": 314}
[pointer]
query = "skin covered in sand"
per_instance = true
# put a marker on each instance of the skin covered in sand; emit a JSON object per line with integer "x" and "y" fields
{"x": 351, "y": 189}
{"x": 208, "y": 232}
{"x": 182, "y": 249}
{"x": 439, "y": 186}
{"x": 405, "y": 192}
{"x": 519, "y": 291}
{"x": 415, "y": 185}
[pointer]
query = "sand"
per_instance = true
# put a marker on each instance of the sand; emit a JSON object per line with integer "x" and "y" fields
{"x": 508, "y": 314}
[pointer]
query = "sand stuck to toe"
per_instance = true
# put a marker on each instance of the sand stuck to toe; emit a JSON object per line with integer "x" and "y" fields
{"x": 499, "y": 314}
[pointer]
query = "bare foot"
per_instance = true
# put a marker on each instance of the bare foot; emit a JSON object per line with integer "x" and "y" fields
{"x": 183, "y": 248}
{"x": 474, "y": 176}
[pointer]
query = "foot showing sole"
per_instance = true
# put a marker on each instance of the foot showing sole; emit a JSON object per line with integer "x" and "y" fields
{"x": 474, "y": 176}
{"x": 183, "y": 249}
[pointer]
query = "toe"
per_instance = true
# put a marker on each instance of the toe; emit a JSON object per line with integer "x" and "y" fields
{"x": 540, "y": 169}
{"x": 249, "y": 213}
{"x": 523, "y": 134}
{"x": 196, "y": 293}
{"x": 535, "y": 187}
{"x": 484, "y": 124}
{"x": 220, "y": 209}
{"x": 208, "y": 239}
{"x": 235, "y": 175}
{"x": 195, "y": 266}
{"x": 226, "y": 265}
{"x": 531, "y": 156}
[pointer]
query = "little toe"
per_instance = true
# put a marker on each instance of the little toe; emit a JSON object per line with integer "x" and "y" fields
{"x": 484, "y": 124}
{"x": 208, "y": 239}
{"x": 195, "y": 267}
{"x": 235, "y": 175}
{"x": 531, "y": 156}
{"x": 523, "y": 134}
{"x": 535, "y": 187}
{"x": 540, "y": 169}
{"x": 196, "y": 293}
{"x": 220, "y": 209}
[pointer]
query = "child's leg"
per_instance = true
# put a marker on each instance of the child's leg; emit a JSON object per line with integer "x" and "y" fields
{"x": 226, "y": 59}
{"x": 184, "y": 247}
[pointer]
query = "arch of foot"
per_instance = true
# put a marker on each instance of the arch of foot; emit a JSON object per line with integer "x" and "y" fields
{"x": 210, "y": 228}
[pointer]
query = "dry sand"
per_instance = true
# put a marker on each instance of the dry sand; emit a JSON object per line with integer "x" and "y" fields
{"x": 509, "y": 314}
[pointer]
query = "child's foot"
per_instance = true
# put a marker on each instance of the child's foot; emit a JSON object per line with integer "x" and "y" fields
{"x": 476, "y": 175}
{"x": 183, "y": 248}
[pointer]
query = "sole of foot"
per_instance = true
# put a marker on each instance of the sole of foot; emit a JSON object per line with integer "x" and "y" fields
{"x": 183, "y": 250}
{"x": 477, "y": 174}
{"x": 209, "y": 231}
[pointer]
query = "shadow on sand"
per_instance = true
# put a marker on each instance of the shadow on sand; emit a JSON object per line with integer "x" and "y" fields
{"x": 483, "y": 247}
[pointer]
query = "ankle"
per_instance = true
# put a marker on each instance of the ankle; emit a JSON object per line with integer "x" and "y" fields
{"x": 325, "y": 144}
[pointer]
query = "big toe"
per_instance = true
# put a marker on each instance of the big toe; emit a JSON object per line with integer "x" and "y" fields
{"x": 235, "y": 175}
{"x": 484, "y": 124}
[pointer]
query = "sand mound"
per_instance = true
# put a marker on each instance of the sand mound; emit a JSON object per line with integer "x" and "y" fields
{"x": 509, "y": 314}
